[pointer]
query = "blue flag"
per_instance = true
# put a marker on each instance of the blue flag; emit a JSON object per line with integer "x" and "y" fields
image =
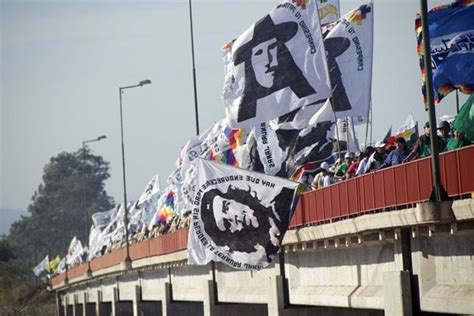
{"x": 451, "y": 30}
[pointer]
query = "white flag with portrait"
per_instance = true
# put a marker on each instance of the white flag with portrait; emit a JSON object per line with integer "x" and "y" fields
{"x": 239, "y": 217}
{"x": 349, "y": 45}
{"x": 275, "y": 66}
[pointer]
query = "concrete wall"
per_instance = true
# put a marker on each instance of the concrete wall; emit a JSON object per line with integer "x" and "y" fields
{"x": 444, "y": 267}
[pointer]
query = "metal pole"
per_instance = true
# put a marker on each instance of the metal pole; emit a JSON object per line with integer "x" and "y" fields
{"x": 194, "y": 69}
{"x": 457, "y": 101}
{"x": 84, "y": 188}
{"x": 431, "y": 108}
{"x": 85, "y": 202}
{"x": 127, "y": 256}
{"x": 337, "y": 129}
{"x": 367, "y": 125}
{"x": 64, "y": 231}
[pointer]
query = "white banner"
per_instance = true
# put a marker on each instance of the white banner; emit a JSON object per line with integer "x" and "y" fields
{"x": 271, "y": 153}
{"x": 101, "y": 219}
{"x": 239, "y": 217}
{"x": 346, "y": 134}
{"x": 41, "y": 266}
{"x": 275, "y": 66}
{"x": 74, "y": 252}
{"x": 328, "y": 11}
{"x": 349, "y": 52}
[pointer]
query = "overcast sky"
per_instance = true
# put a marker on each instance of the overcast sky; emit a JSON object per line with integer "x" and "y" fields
{"x": 62, "y": 63}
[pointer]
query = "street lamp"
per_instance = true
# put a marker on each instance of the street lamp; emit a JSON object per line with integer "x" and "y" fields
{"x": 140, "y": 84}
{"x": 84, "y": 182}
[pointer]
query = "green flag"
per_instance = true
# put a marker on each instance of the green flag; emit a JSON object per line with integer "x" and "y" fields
{"x": 464, "y": 121}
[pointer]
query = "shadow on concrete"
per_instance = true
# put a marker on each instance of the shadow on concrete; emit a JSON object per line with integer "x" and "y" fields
{"x": 150, "y": 308}
{"x": 177, "y": 308}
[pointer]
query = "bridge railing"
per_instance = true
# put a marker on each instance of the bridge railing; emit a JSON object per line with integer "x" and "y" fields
{"x": 157, "y": 246}
{"x": 386, "y": 189}
{"x": 381, "y": 190}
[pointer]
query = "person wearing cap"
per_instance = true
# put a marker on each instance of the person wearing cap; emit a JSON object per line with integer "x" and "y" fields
{"x": 422, "y": 147}
{"x": 377, "y": 158}
{"x": 318, "y": 181}
{"x": 398, "y": 155}
{"x": 341, "y": 170}
{"x": 457, "y": 141}
{"x": 444, "y": 130}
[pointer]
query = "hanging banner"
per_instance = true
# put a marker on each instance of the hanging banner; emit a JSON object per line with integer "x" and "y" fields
{"x": 275, "y": 66}
{"x": 239, "y": 217}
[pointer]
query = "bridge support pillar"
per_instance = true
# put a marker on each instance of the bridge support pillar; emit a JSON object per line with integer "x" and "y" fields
{"x": 115, "y": 298}
{"x": 397, "y": 293}
{"x": 136, "y": 300}
{"x": 99, "y": 300}
{"x": 276, "y": 302}
{"x": 166, "y": 300}
{"x": 84, "y": 304}
{"x": 209, "y": 299}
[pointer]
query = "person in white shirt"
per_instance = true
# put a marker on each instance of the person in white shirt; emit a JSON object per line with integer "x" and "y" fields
{"x": 363, "y": 163}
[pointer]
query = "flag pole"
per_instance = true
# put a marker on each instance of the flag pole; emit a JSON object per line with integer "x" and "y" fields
{"x": 337, "y": 128}
{"x": 347, "y": 133}
{"x": 437, "y": 187}
{"x": 457, "y": 101}
{"x": 369, "y": 109}
{"x": 194, "y": 69}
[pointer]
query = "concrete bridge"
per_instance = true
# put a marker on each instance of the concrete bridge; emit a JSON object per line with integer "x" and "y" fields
{"x": 367, "y": 246}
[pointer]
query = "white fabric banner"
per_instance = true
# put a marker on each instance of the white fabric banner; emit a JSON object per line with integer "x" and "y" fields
{"x": 346, "y": 134}
{"x": 275, "y": 66}
{"x": 101, "y": 219}
{"x": 41, "y": 266}
{"x": 62, "y": 265}
{"x": 151, "y": 190}
{"x": 96, "y": 240}
{"x": 272, "y": 156}
{"x": 239, "y": 217}
{"x": 75, "y": 251}
{"x": 349, "y": 53}
{"x": 328, "y": 11}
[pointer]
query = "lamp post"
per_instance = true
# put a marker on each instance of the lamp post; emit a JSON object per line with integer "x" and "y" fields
{"x": 84, "y": 184}
{"x": 140, "y": 84}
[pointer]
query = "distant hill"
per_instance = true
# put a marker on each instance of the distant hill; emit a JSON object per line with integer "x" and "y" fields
{"x": 7, "y": 217}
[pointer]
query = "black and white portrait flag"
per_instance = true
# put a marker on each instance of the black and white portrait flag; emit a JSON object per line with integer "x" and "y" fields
{"x": 349, "y": 43}
{"x": 275, "y": 66}
{"x": 239, "y": 217}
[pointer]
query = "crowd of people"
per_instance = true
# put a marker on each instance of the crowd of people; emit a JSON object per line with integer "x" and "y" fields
{"x": 387, "y": 153}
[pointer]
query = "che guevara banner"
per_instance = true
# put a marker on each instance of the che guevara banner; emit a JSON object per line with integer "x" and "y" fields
{"x": 239, "y": 217}
{"x": 451, "y": 29}
{"x": 275, "y": 66}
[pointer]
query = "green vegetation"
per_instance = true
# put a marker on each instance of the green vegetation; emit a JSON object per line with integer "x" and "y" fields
{"x": 56, "y": 216}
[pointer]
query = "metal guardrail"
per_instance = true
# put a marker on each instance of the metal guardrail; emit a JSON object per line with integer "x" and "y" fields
{"x": 386, "y": 189}
{"x": 381, "y": 190}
